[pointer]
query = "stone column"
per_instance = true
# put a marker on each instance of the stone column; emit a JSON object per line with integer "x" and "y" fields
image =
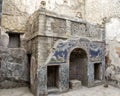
{"x": 41, "y": 82}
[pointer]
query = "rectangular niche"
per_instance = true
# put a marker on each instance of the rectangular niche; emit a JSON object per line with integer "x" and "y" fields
{"x": 97, "y": 71}
{"x": 14, "y": 40}
{"x": 53, "y": 76}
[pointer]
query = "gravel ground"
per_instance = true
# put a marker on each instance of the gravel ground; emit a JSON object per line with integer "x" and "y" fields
{"x": 94, "y": 91}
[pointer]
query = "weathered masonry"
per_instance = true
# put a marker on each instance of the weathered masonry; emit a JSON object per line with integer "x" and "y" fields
{"x": 63, "y": 49}
{"x": 0, "y": 15}
{"x": 0, "y": 24}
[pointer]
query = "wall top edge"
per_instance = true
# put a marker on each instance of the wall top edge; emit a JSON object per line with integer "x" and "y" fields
{"x": 45, "y": 12}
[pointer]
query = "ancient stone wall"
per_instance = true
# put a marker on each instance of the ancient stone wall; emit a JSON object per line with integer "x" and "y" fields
{"x": 14, "y": 15}
{"x": 19, "y": 10}
{"x": 113, "y": 50}
{"x": 46, "y": 28}
{"x": 55, "y": 25}
{"x": 18, "y": 17}
{"x": 14, "y": 68}
{"x": 106, "y": 13}
{"x": 14, "y": 61}
{"x": 112, "y": 40}
{"x": 0, "y": 25}
{"x": 32, "y": 46}
{"x": 14, "y": 64}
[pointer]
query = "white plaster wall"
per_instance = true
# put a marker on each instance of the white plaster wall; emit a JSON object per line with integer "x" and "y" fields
{"x": 113, "y": 40}
{"x": 113, "y": 29}
{"x": 96, "y": 10}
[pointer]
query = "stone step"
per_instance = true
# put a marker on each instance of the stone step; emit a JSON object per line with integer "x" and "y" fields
{"x": 74, "y": 84}
{"x": 53, "y": 91}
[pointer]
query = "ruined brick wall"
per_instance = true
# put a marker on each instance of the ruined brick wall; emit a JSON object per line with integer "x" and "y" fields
{"x": 14, "y": 69}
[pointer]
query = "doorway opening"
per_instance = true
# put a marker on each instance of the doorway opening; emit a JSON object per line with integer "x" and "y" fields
{"x": 78, "y": 66}
{"x": 29, "y": 66}
{"x": 97, "y": 71}
{"x": 53, "y": 76}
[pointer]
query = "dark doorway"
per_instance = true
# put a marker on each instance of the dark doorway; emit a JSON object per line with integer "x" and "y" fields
{"x": 53, "y": 76}
{"x": 78, "y": 66}
{"x": 29, "y": 66}
{"x": 97, "y": 72}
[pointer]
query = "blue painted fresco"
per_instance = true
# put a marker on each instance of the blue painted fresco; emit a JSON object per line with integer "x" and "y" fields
{"x": 95, "y": 52}
{"x": 61, "y": 51}
{"x": 62, "y": 54}
{"x": 63, "y": 47}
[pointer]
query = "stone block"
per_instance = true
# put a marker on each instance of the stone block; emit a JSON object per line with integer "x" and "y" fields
{"x": 9, "y": 23}
{"x": 74, "y": 84}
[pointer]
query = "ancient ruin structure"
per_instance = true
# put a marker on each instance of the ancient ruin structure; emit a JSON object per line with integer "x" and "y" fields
{"x": 58, "y": 49}
{"x": 55, "y": 50}
{"x": 64, "y": 49}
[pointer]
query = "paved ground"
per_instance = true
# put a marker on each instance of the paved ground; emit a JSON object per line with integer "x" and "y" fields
{"x": 23, "y": 91}
{"x": 95, "y": 91}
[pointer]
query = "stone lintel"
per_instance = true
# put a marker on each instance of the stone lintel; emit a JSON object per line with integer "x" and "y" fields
{"x": 11, "y": 32}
